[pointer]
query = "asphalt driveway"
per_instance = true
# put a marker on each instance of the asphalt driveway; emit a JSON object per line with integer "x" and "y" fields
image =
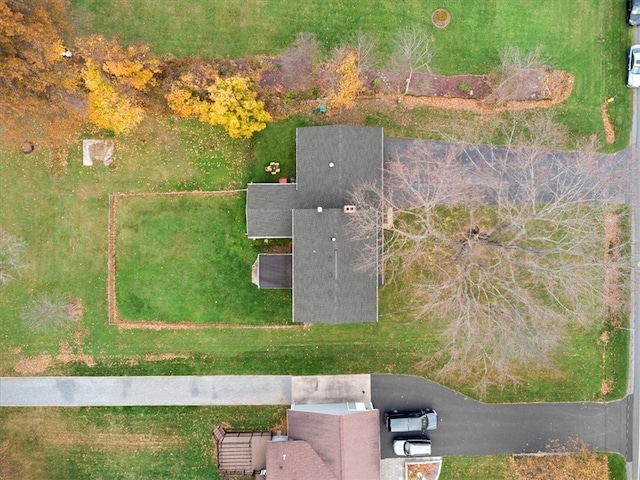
{"x": 468, "y": 427}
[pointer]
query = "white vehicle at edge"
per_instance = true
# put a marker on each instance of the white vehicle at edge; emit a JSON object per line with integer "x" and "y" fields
{"x": 633, "y": 68}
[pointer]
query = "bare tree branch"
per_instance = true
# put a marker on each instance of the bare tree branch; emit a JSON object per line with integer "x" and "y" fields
{"x": 505, "y": 244}
{"x": 11, "y": 257}
{"x": 364, "y": 44}
{"x": 516, "y": 73}
{"x": 413, "y": 52}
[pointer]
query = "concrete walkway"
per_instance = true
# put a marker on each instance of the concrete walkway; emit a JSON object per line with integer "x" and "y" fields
{"x": 148, "y": 391}
{"x": 182, "y": 390}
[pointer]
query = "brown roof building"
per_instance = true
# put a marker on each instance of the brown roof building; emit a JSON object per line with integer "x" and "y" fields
{"x": 327, "y": 442}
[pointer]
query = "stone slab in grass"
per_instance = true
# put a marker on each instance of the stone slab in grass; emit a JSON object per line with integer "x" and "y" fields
{"x": 97, "y": 152}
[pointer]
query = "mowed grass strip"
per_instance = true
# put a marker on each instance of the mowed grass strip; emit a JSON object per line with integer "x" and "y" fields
{"x": 185, "y": 258}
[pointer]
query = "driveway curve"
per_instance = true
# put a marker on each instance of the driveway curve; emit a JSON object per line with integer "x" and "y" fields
{"x": 469, "y": 427}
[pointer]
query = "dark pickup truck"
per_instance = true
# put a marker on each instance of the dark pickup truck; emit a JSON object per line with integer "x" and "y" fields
{"x": 411, "y": 421}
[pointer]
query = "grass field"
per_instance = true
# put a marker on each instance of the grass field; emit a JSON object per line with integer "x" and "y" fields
{"x": 159, "y": 443}
{"x": 588, "y": 38}
{"x": 185, "y": 258}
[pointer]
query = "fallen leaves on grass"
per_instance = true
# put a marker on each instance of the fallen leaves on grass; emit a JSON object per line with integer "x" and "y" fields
{"x": 33, "y": 365}
{"x": 609, "y": 132}
{"x": 67, "y": 355}
{"x": 568, "y": 462}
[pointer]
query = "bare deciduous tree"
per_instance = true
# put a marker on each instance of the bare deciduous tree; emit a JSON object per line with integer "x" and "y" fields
{"x": 51, "y": 311}
{"x": 505, "y": 244}
{"x": 11, "y": 257}
{"x": 364, "y": 44}
{"x": 413, "y": 52}
{"x": 516, "y": 75}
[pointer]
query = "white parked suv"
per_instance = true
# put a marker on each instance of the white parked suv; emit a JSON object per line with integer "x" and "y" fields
{"x": 412, "y": 447}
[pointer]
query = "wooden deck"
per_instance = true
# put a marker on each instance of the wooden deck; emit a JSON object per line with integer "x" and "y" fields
{"x": 240, "y": 453}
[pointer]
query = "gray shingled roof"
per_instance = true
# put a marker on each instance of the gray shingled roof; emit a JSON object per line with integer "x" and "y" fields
{"x": 275, "y": 270}
{"x": 327, "y": 287}
{"x": 269, "y": 207}
{"x": 356, "y": 155}
{"x": 330, "y": 162}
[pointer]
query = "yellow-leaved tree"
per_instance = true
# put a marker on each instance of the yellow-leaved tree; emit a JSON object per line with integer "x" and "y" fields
{"x": 116, "y": 78}
{"x": 229, "y": 102}
{"x": 347, "y": 73}
{"x": 107, "y": 108}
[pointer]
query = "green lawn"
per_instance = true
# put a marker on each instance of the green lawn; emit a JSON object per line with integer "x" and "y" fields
{"x": 186, "y": 258}
{"x": 496, "y": 467}
{"x": 81, "y": 443}
{"x": 63, "y": 220}
{"x": 588, "y": 38}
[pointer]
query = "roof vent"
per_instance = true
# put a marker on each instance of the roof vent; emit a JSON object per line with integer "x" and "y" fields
{"x": 349, "y": 208}
{"x": 331, "y": 164}
{"x": 319, "y": 209}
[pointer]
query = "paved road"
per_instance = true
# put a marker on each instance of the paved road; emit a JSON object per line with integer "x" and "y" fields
{"x": 634, "y": 363}
{"x": 633, "y": 467}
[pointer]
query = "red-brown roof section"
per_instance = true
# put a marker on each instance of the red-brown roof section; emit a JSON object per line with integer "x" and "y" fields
{"x": 348, "y": 445}
{"x": 295, "y": 460}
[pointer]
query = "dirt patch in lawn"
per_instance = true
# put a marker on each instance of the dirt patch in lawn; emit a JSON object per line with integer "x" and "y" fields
{"x": 610, "y": 133}
{"x": 33, "y": 365}
{"x": 553, "y": 90}
{"x": 67, "y": 355}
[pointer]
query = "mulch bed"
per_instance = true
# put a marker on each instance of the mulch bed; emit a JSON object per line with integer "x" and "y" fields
{"x": 426, "y": 84}
{"x": 292, "y": 83}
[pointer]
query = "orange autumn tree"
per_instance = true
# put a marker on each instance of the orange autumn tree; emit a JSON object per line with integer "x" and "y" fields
{"x": 30, "y": 41}
{"x": 36, "y": 81}
{"x": 229, "y": 102}
{"x": 116, "y": 79}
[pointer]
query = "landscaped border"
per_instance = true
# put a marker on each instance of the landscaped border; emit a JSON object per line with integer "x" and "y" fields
{"x": 112, "y": 305}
